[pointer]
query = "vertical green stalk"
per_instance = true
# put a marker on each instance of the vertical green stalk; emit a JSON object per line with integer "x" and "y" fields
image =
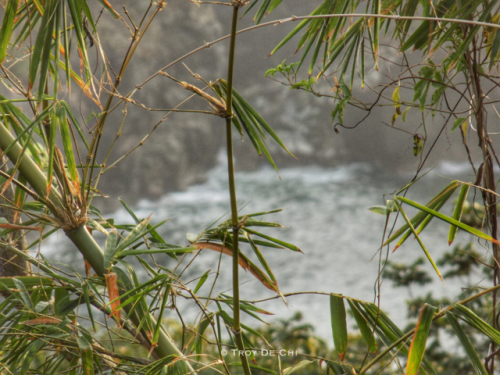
{"x": 232, "y": 191}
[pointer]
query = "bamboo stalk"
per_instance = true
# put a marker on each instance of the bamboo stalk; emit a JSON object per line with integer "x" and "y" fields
{"x": 232, "y": 192}
{"x": 80, "y": 237}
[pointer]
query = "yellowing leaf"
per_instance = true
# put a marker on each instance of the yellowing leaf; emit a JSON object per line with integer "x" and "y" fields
{"x": 417, "y": 347}
{"x": 396, "y": 100}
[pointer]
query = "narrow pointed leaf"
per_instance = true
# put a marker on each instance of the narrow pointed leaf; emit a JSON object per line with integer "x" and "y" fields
{"x": 258, "y": 118}
{"x": 417, "y": 348}
{"x": 205, "y": 322}
{"x": 23, "y": 292}
{"x": 275, "y": 240}
{"x": 366, "y": 332}
{"x": 7, "y": 26}
{"x": 376, "y": 31}
{"x": 202, "y": 280}
{"x": 68, "y": 145}
{"x": 423, "y": 225}
{"x": 494, "y": 49}
{"x": 297, "y": 28}
{"x": 475, "y": 360}
{"x": 261, "y": 258}
{"x": 166, "y": 293}
{"x": 109, "y": 8}
{"x": 449, "y": 220}
{"x": 274, "y": 5}
{"x": 475, "y": 321}
{"x": 457, "y": 213}
{"x": 339, "y": 324}
{"x": 244, "y": 262}
{"x": 37, "y": 50}
{"x": 110, "y": 248}
{"x": 86, "y": 356}
{"x": 135, "y": 234}
{"x": 420, "y": 242}
{"x": 388, "y": 331}
{"x": 298, "y": 366}
{"x": 420, "y": 216}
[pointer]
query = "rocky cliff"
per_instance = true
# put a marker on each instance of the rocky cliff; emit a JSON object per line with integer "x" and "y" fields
{"x": 185, "y": 146}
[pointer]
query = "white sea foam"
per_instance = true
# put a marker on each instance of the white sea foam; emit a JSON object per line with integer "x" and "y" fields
{"x": 327, "y": 217}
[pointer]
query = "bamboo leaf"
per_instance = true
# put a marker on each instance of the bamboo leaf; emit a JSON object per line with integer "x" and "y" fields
{"x": 110, "y": 248}
{"x": 37, "y": 50}
{"x": 298, "y": 366}
{"x": 166, "y": 293}
{"x": 297, "y": 28}
{"x": 339, "y": 324}
{"x": 134, "y": 235}
{"x": 47, "y": 44}
{"x": 420, "y": 216}
{"x": 86, "y": 296}
{"x": 68, "y": 146}
{"x": 388, "y": 331}
{"x": 7, "y": 283}
{"x": 180, "y": 250}
{"x": 260, "y": 120}
{"x": 202, "y": 280}
{"x": 157, "y": 366}
{"x": 475, "y": 321}
{"x": 274, "y": 5}
{"x": 205, "y": 322}
{"x": 477, "y": 363}
{"x": 261, "y": 258}
{"x": 245, "y": 306}
{"x": 7, "y": 26}
{"x": 277, "y": 241}
{"x": 366, "y": 332}
{"x": 376, "y": 31}
{"x": 109, "y": 8}
{"x": 423, "y": 224}
{"x": 449, "y": 220}
{"x": 23, "y": 292}
{"x": 151, "y": 230}
{"x": 420, "y": 241}
{"x": 29, "y": 355}
{"x": 136, "y": 291}
{"x": 457, "y": 213}
{"x": 52, "y": 148}
{"x": 419, "y": 342}
{"x": 261, "y": 12}
{"x": 228, "y": 320}
{"x": 86, "y": 355}
{"x": 494, "y": 49}
{"x": 244, "y": 262}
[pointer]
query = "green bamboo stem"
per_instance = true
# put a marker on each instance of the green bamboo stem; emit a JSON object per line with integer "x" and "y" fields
{"x": 232, "y": 191}
{"x": 80, "y": 237}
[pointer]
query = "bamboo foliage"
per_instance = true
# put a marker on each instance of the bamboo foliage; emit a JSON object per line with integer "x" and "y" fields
{"x": 43, "y": 314}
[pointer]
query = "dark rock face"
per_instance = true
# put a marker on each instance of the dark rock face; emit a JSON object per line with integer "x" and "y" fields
{"x": 185, "y": 146}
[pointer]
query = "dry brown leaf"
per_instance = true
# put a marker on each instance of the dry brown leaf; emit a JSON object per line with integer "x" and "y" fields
{"x": 112, "y": 285}
{"x": 87, "y": 268}
{"x": 16, "y": 227}
{"x": 41, "y": 320}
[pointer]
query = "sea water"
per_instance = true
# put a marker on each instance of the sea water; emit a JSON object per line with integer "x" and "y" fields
{"x": 325, "y": 213}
